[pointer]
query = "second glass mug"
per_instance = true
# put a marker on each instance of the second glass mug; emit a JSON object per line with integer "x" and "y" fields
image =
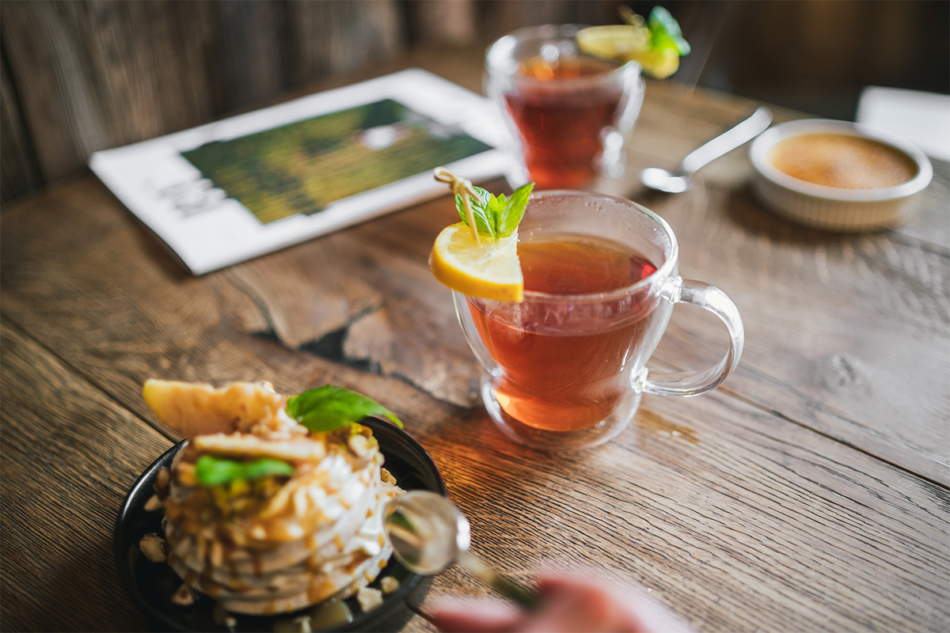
{"x": 564, "y": 372}
{"x": 567, "y": 113}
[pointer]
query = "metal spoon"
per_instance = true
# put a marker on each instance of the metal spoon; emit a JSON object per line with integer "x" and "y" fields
{"x": 428, "y": 534}
{"x": 681, "y": 179}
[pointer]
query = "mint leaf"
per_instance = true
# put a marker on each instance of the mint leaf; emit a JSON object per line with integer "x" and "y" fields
{"x": 665, "y": 31}
{"x": 484, "y": 221}
{"x": 214, "y": 471}
{"x": 663, "y": 21}
{"x": 496, "y": 216}
{"x": 330, "y": 407}
{"x": 513, "y": 211}
{"x": 496, "y": 207}
{"x": 662, "y": 42}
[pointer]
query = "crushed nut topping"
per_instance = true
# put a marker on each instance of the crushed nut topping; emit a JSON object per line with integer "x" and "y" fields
{"x": 154, "y": 547}
{"x": 369, "y": 598}
{"x": 183, "y": 597}
{"x": 154, "y": 503}
{"x": 161, "y": 482}
{"x": 387, "y": 476}
{"x": 359, "y": 445}
{"x": 389, "y": 584}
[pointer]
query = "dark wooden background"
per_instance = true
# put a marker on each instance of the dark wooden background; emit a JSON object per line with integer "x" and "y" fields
{"x": 86, "y": 75}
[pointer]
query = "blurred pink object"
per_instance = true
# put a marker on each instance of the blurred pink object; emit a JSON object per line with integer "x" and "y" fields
{"x": 572, "y": 601}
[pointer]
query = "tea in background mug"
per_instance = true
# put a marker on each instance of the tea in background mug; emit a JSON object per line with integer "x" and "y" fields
{"x": 565, "y": 368}
{"x": 567, "y": 113}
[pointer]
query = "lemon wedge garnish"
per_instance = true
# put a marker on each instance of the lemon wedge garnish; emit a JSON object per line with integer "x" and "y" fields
{"x": 619, "y": 42}
{"x": 656, "y": 44}
{"x": 659, "y": 63}
{"x": 486, "y": 270}
{"x": 623, "y": 43}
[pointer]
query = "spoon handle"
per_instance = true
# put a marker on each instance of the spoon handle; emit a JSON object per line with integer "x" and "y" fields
{"x": 727, "y": 141}
{"x": 508, "y": 587}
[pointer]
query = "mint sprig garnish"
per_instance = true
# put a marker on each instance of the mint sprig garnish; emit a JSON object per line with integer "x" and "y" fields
{"x": 214, "y": 471}
{"x": 496, "y": 216}
{"x": 665, "y": 32}
{"x": 663, "y": 29}
{"x": 329, "y": 407}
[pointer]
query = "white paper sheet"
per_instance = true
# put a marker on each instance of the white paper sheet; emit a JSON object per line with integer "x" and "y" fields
{"x": 209, "y": 230}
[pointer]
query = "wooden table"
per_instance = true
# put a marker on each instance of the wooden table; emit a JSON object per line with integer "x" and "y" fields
{"x": 809, "y": 493}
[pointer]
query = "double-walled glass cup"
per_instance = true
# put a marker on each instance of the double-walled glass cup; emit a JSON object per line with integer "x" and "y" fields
{"x": 568, "y": 113}
{"x": 567, "y": 371}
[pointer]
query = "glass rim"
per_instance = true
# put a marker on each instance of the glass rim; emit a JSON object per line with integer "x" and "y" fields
{"x": 505, "y": 46}
{"x": 662, "y": 271}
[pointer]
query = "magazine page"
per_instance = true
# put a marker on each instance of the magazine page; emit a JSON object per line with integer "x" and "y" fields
{"x": 241, "y": 187}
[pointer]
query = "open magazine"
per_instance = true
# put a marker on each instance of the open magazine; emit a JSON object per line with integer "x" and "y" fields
{"x": 231, "y": 190}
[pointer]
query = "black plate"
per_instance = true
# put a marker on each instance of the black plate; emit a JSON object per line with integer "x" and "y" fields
{"x": 153, "y": 584}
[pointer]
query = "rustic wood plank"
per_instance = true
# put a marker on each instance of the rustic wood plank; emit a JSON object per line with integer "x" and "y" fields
{"x": 843, "y": 332}
{"x": 94, "y": 74}
{"x": 734, "y": 518}
{"x": 931, "y": 224}
{"x": 500, "y": 18}
{"x": 70, "y": 454}
{"x": 248, "y": 65}
{"x": 336, "y": 38}
{"x": 32, "y": 32}
{"x": 441, "y": 23}
{"x": 385, "y": 310}
{"x": 19, "y": 171}
{"x": 146, "y": 317}
{"x": 837, "y": 377}
{"x": 775, "y": 514}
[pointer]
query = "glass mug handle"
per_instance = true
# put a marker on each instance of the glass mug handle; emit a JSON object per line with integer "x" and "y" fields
{"x": 631, "y": 112}
{"x": 694, "y": 383}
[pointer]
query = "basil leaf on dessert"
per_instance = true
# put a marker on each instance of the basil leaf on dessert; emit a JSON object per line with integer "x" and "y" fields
{"x": 214, "y": 471}
{"x": 330, "y": 407}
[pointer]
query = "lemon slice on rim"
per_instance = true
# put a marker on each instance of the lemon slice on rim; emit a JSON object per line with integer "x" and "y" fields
{"x": 656, "y": 43}
{"x": 623, "y": 43}
{"x": 486, "y": 270}
{"x": 619, "y": 42}
{"x": 659, "y": 63}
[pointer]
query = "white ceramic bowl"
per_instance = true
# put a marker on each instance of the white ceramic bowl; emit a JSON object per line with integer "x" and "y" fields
{"x": 834, "y": 208}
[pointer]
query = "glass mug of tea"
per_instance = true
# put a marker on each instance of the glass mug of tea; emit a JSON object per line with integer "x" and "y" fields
{"x": 568, "y": 113}
{"x": 565, "y": 368}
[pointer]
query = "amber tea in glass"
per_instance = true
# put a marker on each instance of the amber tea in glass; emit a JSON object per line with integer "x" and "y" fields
{"x": 567, "y": 112}
{"x": 560, "y": 132}
{"x": 568, "y": 377}
{"x": 565, "y": 368}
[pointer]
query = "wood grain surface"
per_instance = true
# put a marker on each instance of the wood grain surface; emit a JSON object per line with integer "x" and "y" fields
{"x": 70, "y": 453}
{"x": 809, "y": 493}
{"x": 93, "y": 75}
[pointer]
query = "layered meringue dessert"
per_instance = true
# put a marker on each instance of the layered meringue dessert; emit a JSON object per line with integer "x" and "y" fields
{"x": 274, "y": 503}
